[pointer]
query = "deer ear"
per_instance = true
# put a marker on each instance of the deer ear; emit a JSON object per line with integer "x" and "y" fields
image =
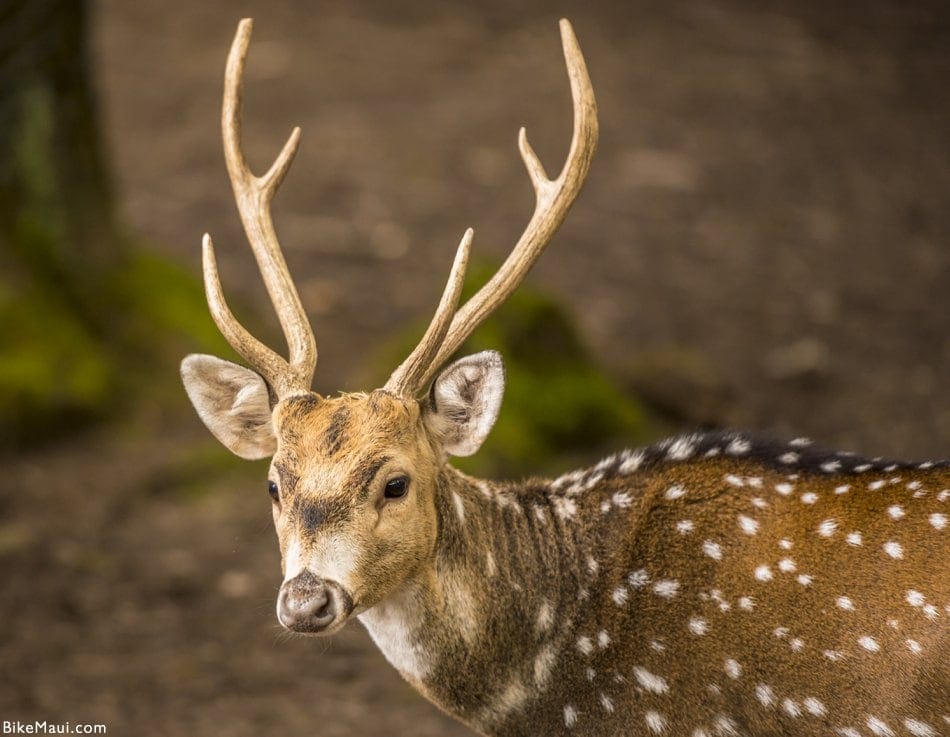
{"x": 234, "y": 404}
{"x": 464, "y": 402}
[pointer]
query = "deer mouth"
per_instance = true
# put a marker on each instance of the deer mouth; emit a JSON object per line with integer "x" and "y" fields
{"x": 310, "y": 605}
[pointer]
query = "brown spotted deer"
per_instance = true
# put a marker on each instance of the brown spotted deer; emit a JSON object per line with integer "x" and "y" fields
{"x": 710, "y": 584}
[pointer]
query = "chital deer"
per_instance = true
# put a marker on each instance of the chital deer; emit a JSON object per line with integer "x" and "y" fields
{"x": 710, "y": 584}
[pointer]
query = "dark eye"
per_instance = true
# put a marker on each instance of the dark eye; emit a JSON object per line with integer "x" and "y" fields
{"x": 396, "y": 487}
{"x": 273, "y": 491}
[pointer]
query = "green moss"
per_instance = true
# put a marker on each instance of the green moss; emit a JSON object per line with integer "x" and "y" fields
{"x": 560, "y": 408}
{"x": 53, "y": 373}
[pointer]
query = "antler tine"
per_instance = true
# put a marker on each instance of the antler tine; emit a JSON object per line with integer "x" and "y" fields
{"x": 406, "y": 379}
{"x": 253, "y": 195}
{"x": 553, "y": 198}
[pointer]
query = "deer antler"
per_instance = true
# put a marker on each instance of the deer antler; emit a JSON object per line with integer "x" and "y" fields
{"x": 553, "y": 198}
{"x": 253, "y": 195}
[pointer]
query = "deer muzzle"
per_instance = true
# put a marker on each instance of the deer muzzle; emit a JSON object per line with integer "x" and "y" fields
{"x": 312, "y": 605}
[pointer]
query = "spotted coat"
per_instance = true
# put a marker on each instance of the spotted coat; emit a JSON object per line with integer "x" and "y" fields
{"x": 711, "y": 584}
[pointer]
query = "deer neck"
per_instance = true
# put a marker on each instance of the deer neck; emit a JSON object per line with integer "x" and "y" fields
{"x": 503, "y": 587}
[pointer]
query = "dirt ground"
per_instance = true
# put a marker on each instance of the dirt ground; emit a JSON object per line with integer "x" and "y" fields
{"x": 764, "y": 242}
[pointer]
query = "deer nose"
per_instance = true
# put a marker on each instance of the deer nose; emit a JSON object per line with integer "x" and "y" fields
{"x": 309, "y": 604}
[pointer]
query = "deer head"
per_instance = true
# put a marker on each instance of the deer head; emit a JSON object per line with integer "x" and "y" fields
{"x": 353, "y": 478}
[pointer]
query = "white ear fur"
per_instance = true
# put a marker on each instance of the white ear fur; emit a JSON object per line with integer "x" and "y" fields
{"x": 233, "y": 403}
{"x": 465, "y": 400}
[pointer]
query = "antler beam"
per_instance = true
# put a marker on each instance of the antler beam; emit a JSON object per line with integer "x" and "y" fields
{"x": 553, "y": 198}
{"x": 253, "y": 195}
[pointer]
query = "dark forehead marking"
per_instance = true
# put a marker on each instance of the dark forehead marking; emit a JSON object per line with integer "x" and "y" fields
{"x": 365, "y": 471}
{"x": 288, "y": 478}
{"x": 300, "y": 406}
{"x": 314, "y": 513}
{"x": 335, "y": 433}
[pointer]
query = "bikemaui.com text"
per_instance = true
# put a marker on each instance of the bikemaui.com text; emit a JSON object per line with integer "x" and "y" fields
{"x": 44, "y": 727}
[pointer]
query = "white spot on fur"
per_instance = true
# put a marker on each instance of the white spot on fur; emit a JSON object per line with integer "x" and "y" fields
{"x": 631, "y": 461}
{"x": 603, "y": 639}
{"x": 804, "y": 579}
{"x": 780, "y": 632}
{"x": 638, "y": 579}
{"x": 893, "y": 549}
{"x": 585, "y": 645}
{"x": 847, "y": 732}
{"x": 748, "y": 525}
{"x": 862, "y": 467}
{"x": 732, "y": 668}
{"x": 809, "y": 497}
{"x": 712, "y": 549}
{"x": 620, "y": 595}
{"x": 726, "y": 727}
{"x": 915, "y": 598}
{"x": 607, "y": 703}
{"x": 681, "y": 449}
{"x": 544, "y": 664}
{"x": 759, "y": 503}
{"x": 879, "y": 728}
{"x": 459, "y": 507}
{"x": 545, "y": 617}
{"x": 765, "y": 694}
{"x": 854, "y": 539}
{"x": 791, "y": 708}
{"x": 592, "y": 565}
{"x": 827, "y": 528}
{"x": 622, "y": 500}
{"x": 895, "y": 511}
{"x": 788, "y": 458}
{"x": 657, "y": 645}
{"x": 938, "y": 521}
{"x": 666, "y": 588}
{"x": 833, "y": 655}
{"x": 570, "y": 716}
{"x": 675, "y": 492}
{"x": 814, "y": 707}
{"x": 763, "y": 573}
{"x": 684, "y": 526}
{"x": 869, "y": 643}
{"x": 786, "y": 565}
{"x": 565, "y": 507}
{"x": 843, "y": 489}
{"x": 875, "y": 485}
{"x": 785, "y": 544}
{"x": 797, "y": 644}
{"x": 784, "y": 489}
{"x": 655, "y": 721}
{"x": 919, "y": 728}
{"x": 843, "y": 602}
{"x": 738, "y": 446}
{"x": 747, "y": 603}
{"x": 698, "y": 625}
{"x": 734, "y": 480}
{"x": 650, "y": 681}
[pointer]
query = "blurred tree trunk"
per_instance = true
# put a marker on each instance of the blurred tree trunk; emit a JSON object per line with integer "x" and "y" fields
{"x": 59, "y": 247}
{"x": 56, "y": 216}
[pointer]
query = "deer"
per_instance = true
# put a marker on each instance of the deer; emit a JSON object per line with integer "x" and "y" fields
{"x": 713, "y": 584}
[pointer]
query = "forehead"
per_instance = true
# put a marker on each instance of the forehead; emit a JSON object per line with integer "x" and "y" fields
{"x": 349, "y": 426}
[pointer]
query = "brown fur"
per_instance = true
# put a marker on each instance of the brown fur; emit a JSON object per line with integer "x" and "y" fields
{"x": 503, "y": 595}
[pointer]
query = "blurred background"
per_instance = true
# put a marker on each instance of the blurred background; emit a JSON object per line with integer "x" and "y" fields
{"x": 763, "y": 242}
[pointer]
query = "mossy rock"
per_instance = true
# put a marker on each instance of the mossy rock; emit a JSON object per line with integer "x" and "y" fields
{"x": 560, "y": 407}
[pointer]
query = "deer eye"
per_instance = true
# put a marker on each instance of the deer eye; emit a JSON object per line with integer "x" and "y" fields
{"x": 273, "y": 491}
{"x": 396, "y": 488}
